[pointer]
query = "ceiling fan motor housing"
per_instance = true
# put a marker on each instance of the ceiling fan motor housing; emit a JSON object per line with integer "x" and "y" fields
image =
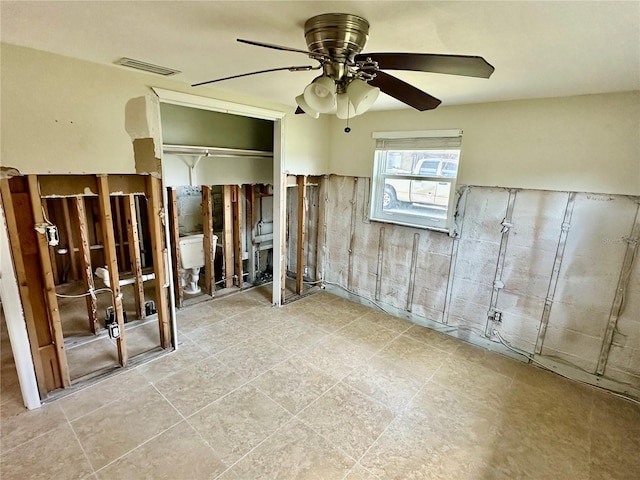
{"x": 340, "y": 36}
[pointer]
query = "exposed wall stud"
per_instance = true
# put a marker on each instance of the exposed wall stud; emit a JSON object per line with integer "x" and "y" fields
{"x": 120, "y": 235}
{"x": 51, "y": 250}
{"x": 412, "y": 271}
{"x": 237, "y": 235}
{"x": 134, "y": 254}
{"x": 49, "y": 285}
{"x": 156, "y": 216}
{"x": 621, "y": 290}
{"x": 250, "y": 222}
{"x": 302, "y": 228}
{"x": 85, "y": 261}
{"x": 207, "y": 228}
{"x": 555, "y": 274}
{"x": 227, "y": 235}
{"x": 111, "y": 260}
{"x": 175, "y": 244}
{"x": 21, "y": 276}
{"x": 70, "y": 241}
{"x": 321, "y": 244}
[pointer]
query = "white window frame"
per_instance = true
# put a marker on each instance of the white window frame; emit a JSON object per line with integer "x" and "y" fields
{"x": 412, "y": 140}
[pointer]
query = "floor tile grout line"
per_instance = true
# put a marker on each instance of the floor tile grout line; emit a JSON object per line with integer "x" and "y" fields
{"x": 84, "y": 452}
{"x": 4, "y": 451}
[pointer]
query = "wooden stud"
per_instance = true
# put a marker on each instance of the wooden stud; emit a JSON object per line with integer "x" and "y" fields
{"x": 85, "y": 261}
{"x": 172, "y": 195}
{"x": 302, "y": 228}
{"x": 21, "y": 276}
{"x": 250, "y": 222}
{"x": 70, "y": 241}
{"x": 227, "y": 235}
{"x": 156, "y": 214}
{"x": 119, "y": 234}
{"x": 50, "y": 287}
{"x": 237, "y": 235}
{"x": 51, "y": 250}
{"x": 207, "y": 227}
{"x": 111, "y": 260}
{"x": 131, "y": 220}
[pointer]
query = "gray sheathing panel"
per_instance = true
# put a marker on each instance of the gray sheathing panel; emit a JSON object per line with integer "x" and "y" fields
{"x": 292, "y": 229}
{"x": 477, "y": 253}
{"x": 338, "y": 221}
{"x": 528, "y": 262}
{"x": 588, "y": 277}
{"x": 624, "y": 357}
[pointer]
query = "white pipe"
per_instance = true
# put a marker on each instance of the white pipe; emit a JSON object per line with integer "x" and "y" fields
{"x": 103, "y": 273}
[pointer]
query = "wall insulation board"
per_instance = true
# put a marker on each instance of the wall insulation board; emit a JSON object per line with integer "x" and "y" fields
{"x": 588, "y": 277}
{"x": 534, "y": 256}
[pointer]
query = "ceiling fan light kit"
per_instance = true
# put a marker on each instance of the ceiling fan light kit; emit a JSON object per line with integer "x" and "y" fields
{"x": 351, "y": 81}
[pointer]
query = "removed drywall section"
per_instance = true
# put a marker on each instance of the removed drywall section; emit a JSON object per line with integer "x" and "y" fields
{"x": 538, "y": 268}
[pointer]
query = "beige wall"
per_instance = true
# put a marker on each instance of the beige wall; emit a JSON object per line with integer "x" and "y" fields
{"x": 586, "y": 143}
{"x": 62, "y": 115}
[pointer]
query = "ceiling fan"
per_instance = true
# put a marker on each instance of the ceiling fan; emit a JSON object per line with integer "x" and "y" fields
{"x": 351, "y": 81}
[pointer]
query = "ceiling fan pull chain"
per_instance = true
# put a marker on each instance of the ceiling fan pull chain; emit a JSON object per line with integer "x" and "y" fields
{"x": 347, "y": 129}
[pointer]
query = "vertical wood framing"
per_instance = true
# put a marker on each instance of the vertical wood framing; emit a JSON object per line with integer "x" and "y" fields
{"x": 237, "y": 234}
{"x": 282, "y": 248}
{"x": 555, "y": 273}
{"x": 302, "y": 227}
{"x": 21, "y": 276}
{"x": 412, "y": 271}
{"x": 621, "y": 289}
{"x": 380, "y": 263}
{"x": 227, "y": 240}
{"x": 82, "y": 233}
{"x": 207, "y": 227}
{"x": 156, "y": 214}
{"x": 70, "y": 240}
{"x": 175, "y": 244}
{"x": 321, "y": 244}
{"x": 134, "y": 253}
{"x": 249, "y": 225}
{"x": 352, "y": 233}
{"x": 51, "y": 250}
{"x": 111, "y": 259}
{"x": 119, "y": 234}
{"x": 50, "y": 288}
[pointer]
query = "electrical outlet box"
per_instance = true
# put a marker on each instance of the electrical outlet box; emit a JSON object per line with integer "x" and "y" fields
{"x": 114, "y": 330}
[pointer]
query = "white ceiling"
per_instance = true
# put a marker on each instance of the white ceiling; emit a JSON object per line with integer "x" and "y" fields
{"x": 539, "y": 49}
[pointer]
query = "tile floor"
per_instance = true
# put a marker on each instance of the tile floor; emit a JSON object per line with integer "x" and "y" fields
{"x": 322, "y": 388}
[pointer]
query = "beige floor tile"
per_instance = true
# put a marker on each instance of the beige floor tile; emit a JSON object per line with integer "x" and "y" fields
{"x": 386, "y": 382}
{"x": 235, "y": 304}
{"x": 358, "y": 472}
{"x": 196, "y": 387}
{"x": 293, "y": 452}
{"x": 187, "y": 354}
{"x": 18, "y": 425}
{"x": 491, "y": 360}
{"x": 295, "y": 335}
{"x": 92, "y": 357}
{"x": 325, "y": 316}
{"x": 350, "y": 419}
{"x": 117, "y": 428}
{"x": 473, "y": 380}
{"x": 221, "y": 335}
{"x": 56, "y": 454}
{"x": 336, "y": 356}
{"x": 238, "y": 422}
{"x": 294, "y": 384}
{"x": 143, "y": 338}
{"x": 433, "y": 338}
{"x": 263, "y": 318}
{"x": 178, "y": 453}
{"x": 100, "y": 394}
{"x": 197, "y": 316}
{"x": 388, "y": 321}
{"x": 253, "y": 357}
{"x": 361, "y": 332}
{"x": 413, "y": 355}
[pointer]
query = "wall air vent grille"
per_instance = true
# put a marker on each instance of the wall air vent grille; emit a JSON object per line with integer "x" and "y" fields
{"x": 147, "y": 67}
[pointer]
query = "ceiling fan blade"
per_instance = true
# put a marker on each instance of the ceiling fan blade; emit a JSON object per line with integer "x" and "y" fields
{"x": 315, "y": 56}
{"x": 303, "y": 68}
{"x": 465, "y": 65}
{"x": 401, "y": 90}
{"x": 299, "y": 111}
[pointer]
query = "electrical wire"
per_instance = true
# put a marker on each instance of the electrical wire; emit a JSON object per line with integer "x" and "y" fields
{"x": 86, "y": 294}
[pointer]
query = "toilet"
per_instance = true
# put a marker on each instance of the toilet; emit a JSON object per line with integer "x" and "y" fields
{"x": 192, "y": 260}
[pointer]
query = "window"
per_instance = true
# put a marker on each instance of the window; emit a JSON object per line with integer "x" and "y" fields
{"x": 414, "y": 178}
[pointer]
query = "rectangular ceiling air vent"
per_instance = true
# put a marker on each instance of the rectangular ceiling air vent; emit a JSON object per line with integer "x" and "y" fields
{"x": 147, "y": 67}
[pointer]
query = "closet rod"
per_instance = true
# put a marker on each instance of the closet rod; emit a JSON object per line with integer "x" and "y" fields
{"x": 214, "y": 151}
